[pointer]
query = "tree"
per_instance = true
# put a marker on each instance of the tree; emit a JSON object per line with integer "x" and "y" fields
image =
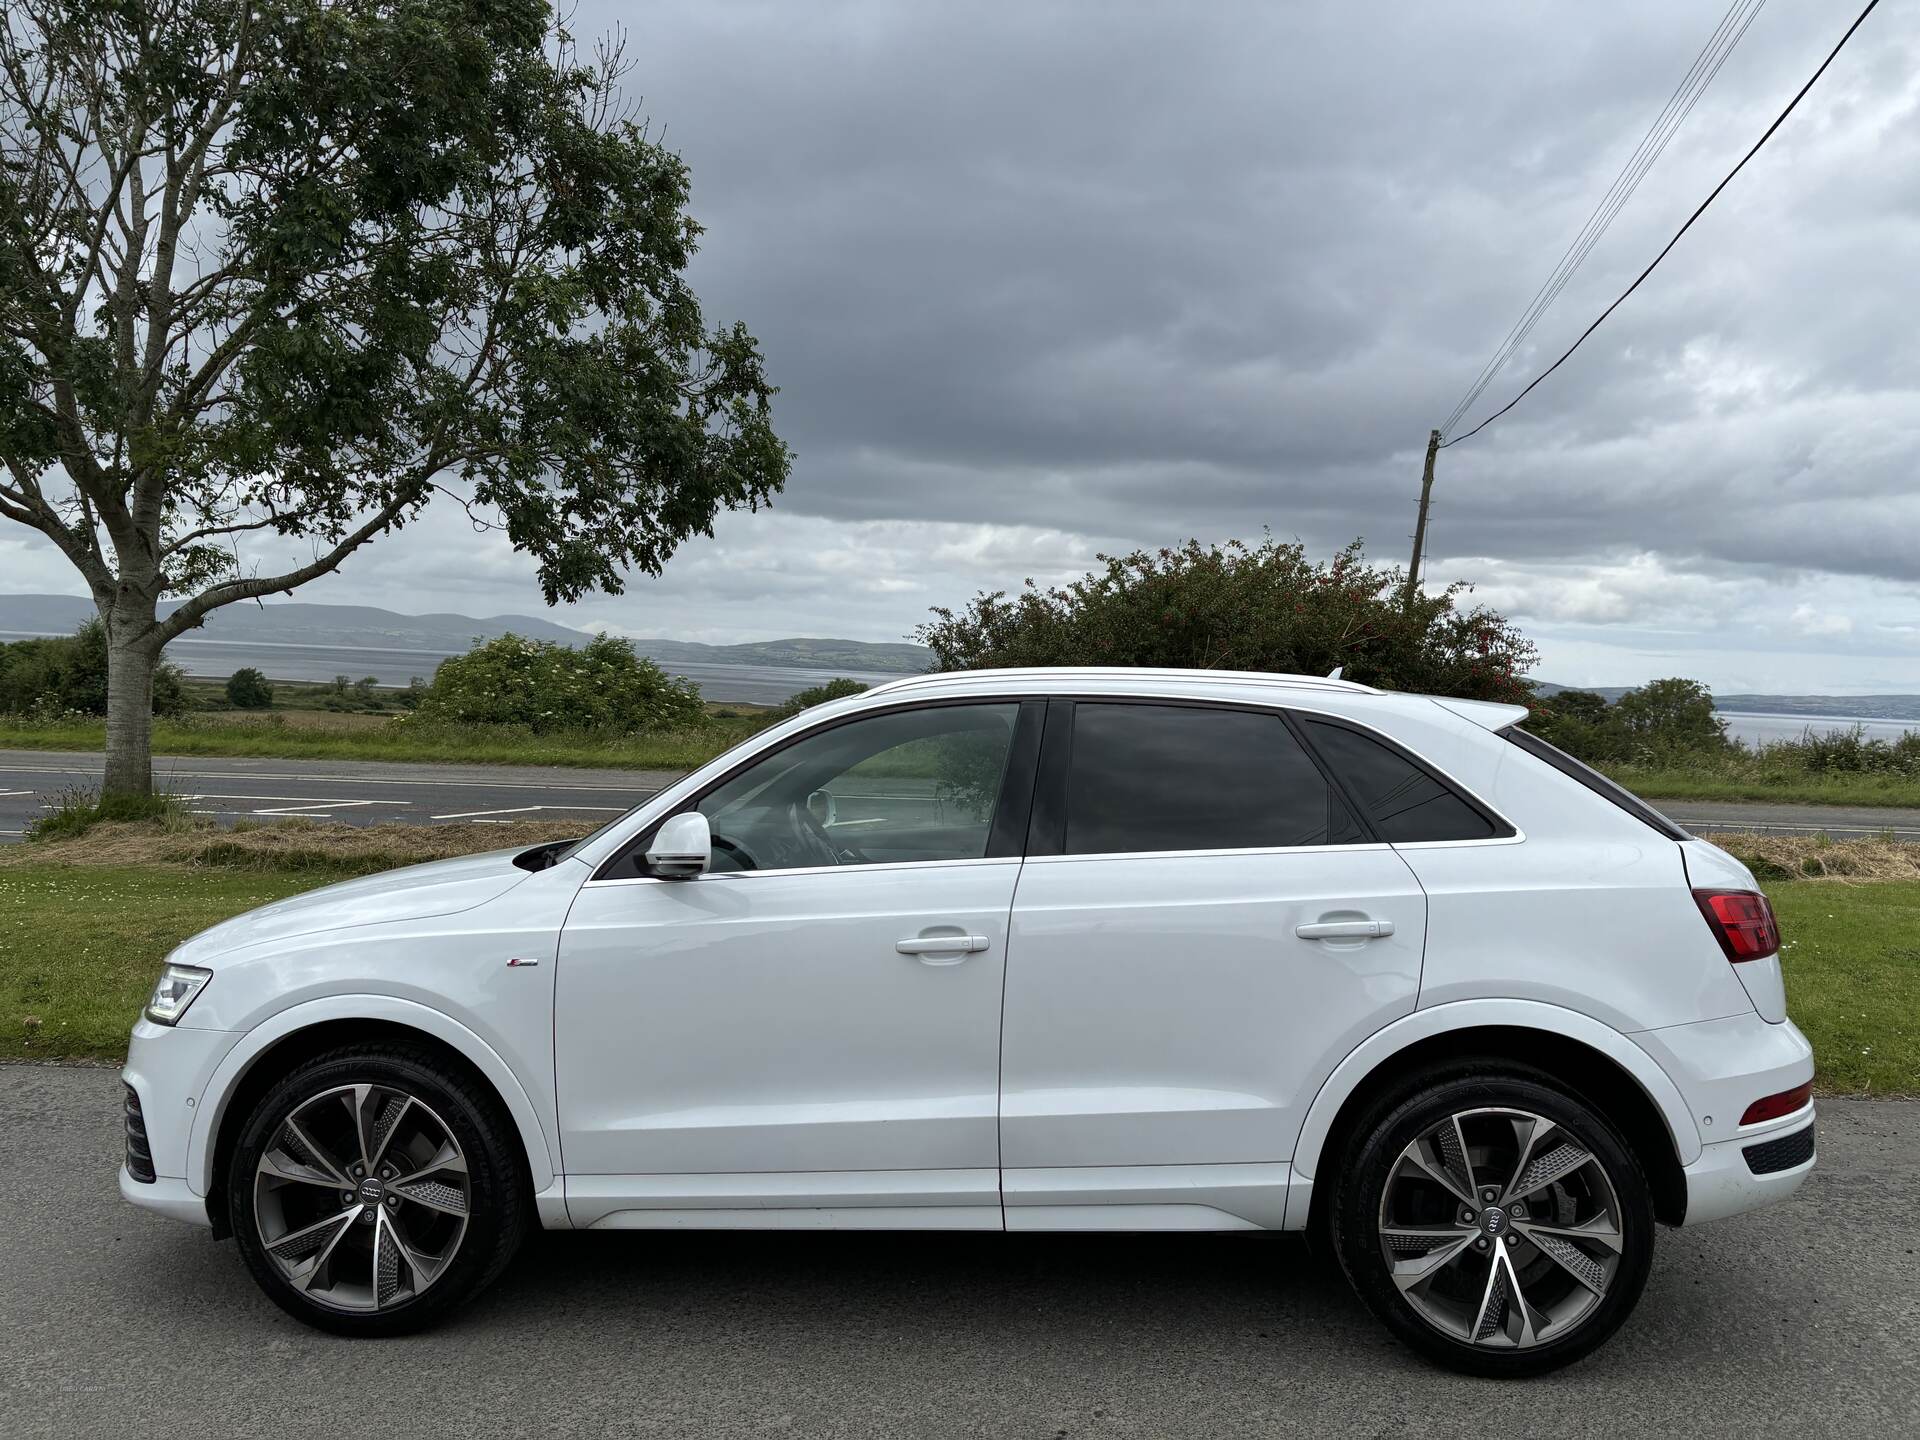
{"x": 602, "y": 685}
{"x": 67, "y": 674}
{"x": 286, "y": 274}
{"x": 835, "y": 689}
{"x": 1672, "y": 714}
{"x": 248, "y": 689}
{"x": 1581, "y": 723}
{"x": 1241, "y": 607}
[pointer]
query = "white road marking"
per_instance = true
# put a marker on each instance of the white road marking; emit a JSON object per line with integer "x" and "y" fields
{"x": 5, "y": 793}
{"x": 523, "y": 809}
{"x": 294, "y": 799}
{"x": 314, "y": 806}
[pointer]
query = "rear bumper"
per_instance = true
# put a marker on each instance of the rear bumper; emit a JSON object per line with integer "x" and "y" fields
{"x": 1720, "y": 1068}
{"x": 1729, "y": 1180}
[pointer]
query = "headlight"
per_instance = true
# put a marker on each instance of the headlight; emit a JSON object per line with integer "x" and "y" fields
{"x": 175, "y": 991}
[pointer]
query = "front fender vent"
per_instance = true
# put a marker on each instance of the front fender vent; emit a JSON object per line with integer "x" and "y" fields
{"x": 139, "y": 1155}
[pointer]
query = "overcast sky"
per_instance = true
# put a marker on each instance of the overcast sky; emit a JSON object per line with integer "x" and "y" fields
{"x": 1042, "y": 280}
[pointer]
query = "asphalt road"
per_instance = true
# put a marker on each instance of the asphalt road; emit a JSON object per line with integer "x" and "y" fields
{"x": 356, "y": 791}
{"x": 361, "y": 792}
{"x": 1801, "y": 1321}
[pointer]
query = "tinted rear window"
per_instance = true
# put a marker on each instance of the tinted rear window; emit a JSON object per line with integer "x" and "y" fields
{"x": 1170, "y": 777}
{"x": 1405, "y": 801}
{"x": 1595, "y": 781}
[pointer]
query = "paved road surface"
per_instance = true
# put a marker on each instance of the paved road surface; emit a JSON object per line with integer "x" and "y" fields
{"x": 367, "y": 792}
{"x": 1802, "y": 1322}
{"x": 357, "y": 791}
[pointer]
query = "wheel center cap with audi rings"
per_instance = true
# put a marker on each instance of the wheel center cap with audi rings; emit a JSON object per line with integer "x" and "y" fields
{"x": 1494, "y": 1221}
{"x": 372, "y": 1192}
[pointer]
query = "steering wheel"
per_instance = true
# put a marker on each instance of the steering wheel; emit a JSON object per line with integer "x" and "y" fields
{"x": 818, "y": 839}
{"x": 742, "y": 857}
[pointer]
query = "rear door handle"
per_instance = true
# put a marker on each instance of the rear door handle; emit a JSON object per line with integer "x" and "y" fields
{"x": 941, "y": 949}
{"x": 1344, "y": 930}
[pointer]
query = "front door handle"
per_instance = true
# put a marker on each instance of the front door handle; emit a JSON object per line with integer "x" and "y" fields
{"x": 941, "y": 949}
{"x": 1344, "y": 930}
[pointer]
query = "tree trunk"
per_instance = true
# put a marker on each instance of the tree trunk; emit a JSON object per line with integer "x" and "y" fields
{"x": 130, "y": 670}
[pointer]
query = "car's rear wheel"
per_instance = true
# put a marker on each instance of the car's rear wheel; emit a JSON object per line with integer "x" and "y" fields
{"x": 374, "y": 1189}
{"x": 1494, "y": 1220}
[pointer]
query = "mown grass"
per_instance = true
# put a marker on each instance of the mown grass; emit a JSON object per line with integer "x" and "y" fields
{"x": 1709, "y": 781}
{"x": 81, "y": 945}
{"x": 1852, "y": 958}
{"x": 361, "y": 737}
{"x": 86, "y": 921}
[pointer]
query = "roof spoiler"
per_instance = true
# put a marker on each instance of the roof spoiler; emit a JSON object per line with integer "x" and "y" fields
{"x": 1489, "y": 714}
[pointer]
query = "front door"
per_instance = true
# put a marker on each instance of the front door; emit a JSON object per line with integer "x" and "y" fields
{"x": 809, "y": 1033}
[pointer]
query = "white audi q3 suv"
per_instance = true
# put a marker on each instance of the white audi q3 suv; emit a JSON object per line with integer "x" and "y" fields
{"x": 1116, "y": 950}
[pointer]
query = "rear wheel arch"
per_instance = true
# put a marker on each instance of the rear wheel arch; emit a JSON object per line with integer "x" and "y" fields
{"x": 1585, "y": 1071}
{"x": 285, "y": 1053}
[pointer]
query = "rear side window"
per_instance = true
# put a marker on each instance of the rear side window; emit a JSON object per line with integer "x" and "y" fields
{"x": 1405, "y": 801}
{"x": 1172, "y": 777}
{"x": 1595, "y": 781}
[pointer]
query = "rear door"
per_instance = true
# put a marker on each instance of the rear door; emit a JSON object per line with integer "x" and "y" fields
{"x": 1201, "y": 918}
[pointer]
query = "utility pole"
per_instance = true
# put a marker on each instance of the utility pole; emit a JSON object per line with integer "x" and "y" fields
{"x": 1420, "y": 527}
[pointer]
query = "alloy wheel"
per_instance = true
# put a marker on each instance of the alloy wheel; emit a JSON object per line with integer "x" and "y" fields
{"x": 362, "y": 1197}
{"x": 1500, "y": 1228}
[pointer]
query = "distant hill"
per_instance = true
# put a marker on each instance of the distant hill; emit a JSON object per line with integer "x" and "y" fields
{"x": 298, "y": 622}
{"x": 853, "y": 655}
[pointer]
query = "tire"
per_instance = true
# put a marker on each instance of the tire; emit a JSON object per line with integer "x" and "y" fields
{"x": 328, "y": 1239}
{"x": 1573, "y": 1230}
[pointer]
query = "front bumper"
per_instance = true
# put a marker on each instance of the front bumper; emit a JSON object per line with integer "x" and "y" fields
{"x": 168, "y": 1069}
{"x": 167, "y": 1196}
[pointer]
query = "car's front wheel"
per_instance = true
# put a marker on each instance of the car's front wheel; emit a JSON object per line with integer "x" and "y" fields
{"x": 1494, "y": 1220}
{"x": 374, "y": 1189}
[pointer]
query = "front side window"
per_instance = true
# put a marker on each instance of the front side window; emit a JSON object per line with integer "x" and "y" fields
{"x": 1173, "y": 777}
{"x": 912, "y": 785}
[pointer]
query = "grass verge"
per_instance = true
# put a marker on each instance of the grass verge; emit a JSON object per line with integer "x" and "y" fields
{"x": 1778, "y": 787}
{"x": 85, "y": 922}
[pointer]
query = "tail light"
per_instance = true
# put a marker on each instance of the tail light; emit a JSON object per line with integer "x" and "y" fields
{"x": 1772, "y": 1107}
{"x": 1742, "y": 921}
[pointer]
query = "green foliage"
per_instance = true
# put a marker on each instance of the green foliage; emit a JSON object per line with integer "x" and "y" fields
{"x": 551, "y": 688}
{"x": 1240, "y": 607}
{"x": 837, "y": 689}
{"x": 1663, "y": 722}
{"x": 60, "y": 675}
{"x": 1671, "y": 714}
{"x": 248, "y": 689}
{"x": 289, "y": 272}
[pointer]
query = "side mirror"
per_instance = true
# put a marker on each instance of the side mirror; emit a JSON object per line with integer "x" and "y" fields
{"x": 682, "y": 847}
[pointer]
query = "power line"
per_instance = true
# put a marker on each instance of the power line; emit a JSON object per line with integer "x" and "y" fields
{"x": 1778, "y": 122}
{"x": 1706, "y": 65}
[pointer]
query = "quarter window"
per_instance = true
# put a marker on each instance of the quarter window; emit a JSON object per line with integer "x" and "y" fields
{"x": 1170, "y": 777}
{"x": 1404, "y": 801}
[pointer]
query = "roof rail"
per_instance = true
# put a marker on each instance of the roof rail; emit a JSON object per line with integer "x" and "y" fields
{"x": 1105, "y": 672}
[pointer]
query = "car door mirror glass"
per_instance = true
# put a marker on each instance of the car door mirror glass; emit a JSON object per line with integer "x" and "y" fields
{"x": 681, "y": 848}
